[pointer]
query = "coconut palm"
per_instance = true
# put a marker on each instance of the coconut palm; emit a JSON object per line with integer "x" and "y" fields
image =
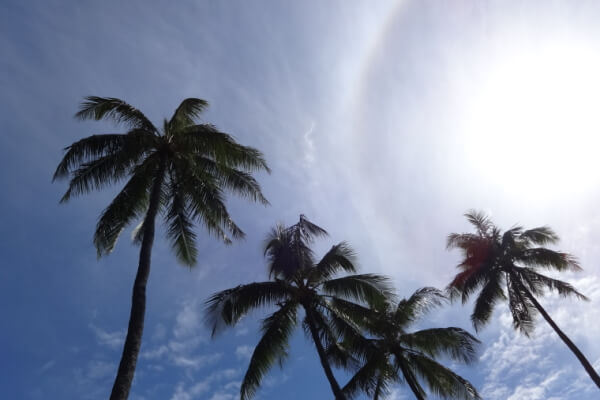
{"x": 297, "y": 282}
{"x": 505, "y": 266}
{"x": 181, "y": 171}
{"x": 392, "y": 354}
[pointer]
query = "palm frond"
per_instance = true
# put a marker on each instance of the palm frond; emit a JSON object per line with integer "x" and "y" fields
{"x": 286, "y": 253}
{"x": 541, "y": 236}
{"x": 550, "y": 259}
{"x": 207, "y": 206}
{"x": 340, "y": 257}
{"x": 440, "y": 380}
{"x": 373, "y": 378}
{"x": 521, "y": 307}
{"x": 480, "y": 221}
{"x": 536, "y": 282}
{"x": 371, "y": 289}
{"x": 490, "y": 294}
{"x": 239, "y": 182}
{"x": 207, "y": 140}
{"x": 129, "y": 204}
{"x": 180, "y": 226}
{"x": 228, "y": 306}
{"x": 86, "y": 150}
{"x": 98, "y": 108}
{"x": 187, "y": 113}
{"x": 455, "y": 343}
{"x": 271, "y": 348}
{"x": 422, "y": 301}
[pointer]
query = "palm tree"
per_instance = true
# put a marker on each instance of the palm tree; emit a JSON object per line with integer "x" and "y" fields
{"x": 180, "y": 170}
{"x": 392, "y": 354}
{"x": 297, "y": 281}
{"x": 493, "y": 261}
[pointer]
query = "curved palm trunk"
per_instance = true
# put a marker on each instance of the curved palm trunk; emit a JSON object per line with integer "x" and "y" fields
{"x": 335, "y": 387}
{"x": 133, "y": 341}
{"x": 586, "y": 364}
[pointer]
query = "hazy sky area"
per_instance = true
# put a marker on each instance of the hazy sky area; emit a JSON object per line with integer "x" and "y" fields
{"x": 383, "y": 122}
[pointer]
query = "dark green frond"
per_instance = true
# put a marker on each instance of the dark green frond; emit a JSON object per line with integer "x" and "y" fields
{"x": 86, "y": 150}
{"x": 521, "y": 307}
{"x": 271, "y": 348}
{"x": 239, "y": 182}
{"x": 536, "y": 283}
{"x": 480, "y": 221}
{"x": 129, "y": 204}
{"x": 440, "y": 380}
{"x": 539, "y": 236}
{"x": 455, "y": 343}
{"x": 207, "y": 140}
{"x": 411, "y": 309}
{"x": 180, "y": 225}
{"x": 207, "y": 206}
{"x": 111, "y": 108}
{"x": 228, "y": 306}
{"x": 373, "y": 378}
{"x": 490, "y": 294}
{"x": 187, "y": 113}
{"x": 550, "y": 259}
{"x": 340, "y": 257}
{"x": 371, "y": 289}
{"x": 287, "y": 253}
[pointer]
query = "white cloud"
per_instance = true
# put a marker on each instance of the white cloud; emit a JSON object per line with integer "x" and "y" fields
{"x": 47, "y": 366}
{"x": 113, "y": 340}
{"x": 194, "y": 391}
{"x": 244, "y": 352}
{"x": 537, "y": 368}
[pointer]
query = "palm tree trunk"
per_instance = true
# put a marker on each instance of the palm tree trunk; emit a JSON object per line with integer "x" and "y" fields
{"x": 133, "y": 340}
{"x": 335, "y": 387}
{"x": 586, "y": 364}
{"x": 410, "y": 378}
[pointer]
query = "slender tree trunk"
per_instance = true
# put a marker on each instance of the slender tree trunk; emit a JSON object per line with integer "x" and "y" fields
{"x": 410, "y": 378}
{"x": 133, "y": 341}
{"x": 586, "y": 364}
{"x": 335, "y": 387}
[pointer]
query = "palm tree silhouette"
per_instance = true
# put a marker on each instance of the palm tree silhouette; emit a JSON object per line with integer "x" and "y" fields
{"x": 392, "y": 354}
{"x": 297, "y": 281}
{"x": 182, "y": 169}
{"x": 493, "y": 261}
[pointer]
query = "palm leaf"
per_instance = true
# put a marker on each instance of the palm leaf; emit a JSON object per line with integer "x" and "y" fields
{"x": 490, "y": 294}
{"x": 340, "y": 257}
{"x": 422, "y": 301}
{"x": 228, "y": 306}
{"x": 442, "y": 381}
{"x": 130, "y": 203}
{"x": 180, "y": 225}
{"x": 111, "y": 108}
{"x": 271, "y": 348}
{"x": 371, "y": 289}
{"x": 455, "y": 343}
{"x": 186, "y": 114}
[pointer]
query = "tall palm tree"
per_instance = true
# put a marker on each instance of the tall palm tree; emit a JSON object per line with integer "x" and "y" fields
{"x": 181, "y": 170}
{"x": 392, "y": 354}
{"x": 297, "y": 281}
{"x": 493, "y": 261}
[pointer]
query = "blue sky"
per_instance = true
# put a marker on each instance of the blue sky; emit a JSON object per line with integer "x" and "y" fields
{"x": 382, "y": 121}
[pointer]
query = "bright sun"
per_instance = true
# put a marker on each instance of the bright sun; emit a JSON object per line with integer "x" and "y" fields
{"x": 533, "y": 126}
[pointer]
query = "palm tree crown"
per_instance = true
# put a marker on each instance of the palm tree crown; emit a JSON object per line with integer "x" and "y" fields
{"x": 181, "y": 171}
{"x": 505, "y": 266}
{"x": 298, "y": 281}
{"x": 193, "y": 163}
{"x": 392, "y": 354}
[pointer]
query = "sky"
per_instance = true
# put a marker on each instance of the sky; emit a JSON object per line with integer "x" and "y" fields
{"x": 382, "y": 121}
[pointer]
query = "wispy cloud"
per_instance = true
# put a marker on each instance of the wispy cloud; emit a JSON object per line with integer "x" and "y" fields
{"x": 113, "y": 340}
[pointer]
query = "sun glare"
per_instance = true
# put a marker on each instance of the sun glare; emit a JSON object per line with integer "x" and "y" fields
{"x": 533, "y": 125}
